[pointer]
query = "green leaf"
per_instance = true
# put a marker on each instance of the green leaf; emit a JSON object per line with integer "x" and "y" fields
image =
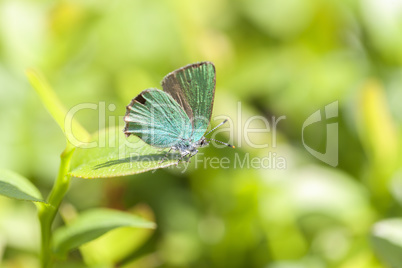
{"x": 57, "y": 110}
{"x": 386, "y": 238}
{"x": 112, "y": 154}
{"x": 91, "y": 225}
{"x": 99, "y": 252}
{"x": 379, "y": 136}
{"x": 15, "y": 186}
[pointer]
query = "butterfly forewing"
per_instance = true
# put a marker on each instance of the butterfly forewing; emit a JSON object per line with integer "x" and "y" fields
{"x": 193, "y": 87}
{"x": 157, "y": 119}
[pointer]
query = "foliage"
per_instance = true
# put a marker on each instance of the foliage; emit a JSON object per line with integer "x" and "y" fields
{"x": 273, "y": 59}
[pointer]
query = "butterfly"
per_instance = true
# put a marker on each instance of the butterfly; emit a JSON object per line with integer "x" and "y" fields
{"x": 177, "y": 117}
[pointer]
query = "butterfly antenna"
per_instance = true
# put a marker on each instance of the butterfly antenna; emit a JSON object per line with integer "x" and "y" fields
{"x": 227, "y": 144}
{"x": 224, "y": 121}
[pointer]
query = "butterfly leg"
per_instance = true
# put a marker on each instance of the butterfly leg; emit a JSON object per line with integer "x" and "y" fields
{"x": 191, "y": 153}
{"x": 165, "y": 157}
{"x": 182, "y": 156}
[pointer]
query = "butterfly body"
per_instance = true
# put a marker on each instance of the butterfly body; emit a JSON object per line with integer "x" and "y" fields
{"x": 177, "y": 117}
{"x": 188, "y": 148}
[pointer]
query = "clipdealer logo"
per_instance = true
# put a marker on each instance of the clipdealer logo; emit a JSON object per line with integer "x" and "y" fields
{"x": 128, "y": 152}
{"x": 331, "y": 149}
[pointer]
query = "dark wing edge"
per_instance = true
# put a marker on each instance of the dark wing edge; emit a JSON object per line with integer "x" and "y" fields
{"x": 140, "y": 99}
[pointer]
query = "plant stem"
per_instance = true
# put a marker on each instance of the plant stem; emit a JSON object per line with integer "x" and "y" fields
{"x": 47, "y": 212}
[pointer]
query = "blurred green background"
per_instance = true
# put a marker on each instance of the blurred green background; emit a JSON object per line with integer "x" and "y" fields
{"x": 273, "y": 58}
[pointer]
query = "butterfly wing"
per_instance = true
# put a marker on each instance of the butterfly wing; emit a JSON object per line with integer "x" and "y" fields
{"x": 193, "y": 87}
{"x": 156, "y": 118}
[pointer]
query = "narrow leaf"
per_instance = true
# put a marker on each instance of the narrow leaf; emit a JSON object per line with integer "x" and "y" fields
{"x": 386, "y": 238}
{"x": 112, "y": 154}
{"x": 15, "y": 186}
{"x": 91, "y": 225}
{"x": 57, "y": 109}
{"x": 377, "y": 130}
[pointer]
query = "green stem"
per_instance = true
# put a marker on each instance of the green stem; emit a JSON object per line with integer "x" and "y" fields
{"x": 47, "y": 213}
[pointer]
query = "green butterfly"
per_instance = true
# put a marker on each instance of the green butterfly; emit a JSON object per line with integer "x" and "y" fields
{"x": 178, "y": 117}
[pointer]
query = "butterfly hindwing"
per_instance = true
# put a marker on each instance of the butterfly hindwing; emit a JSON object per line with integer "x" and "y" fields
{"x": 157, "y": 119}
{"x": 193, "y": 88}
